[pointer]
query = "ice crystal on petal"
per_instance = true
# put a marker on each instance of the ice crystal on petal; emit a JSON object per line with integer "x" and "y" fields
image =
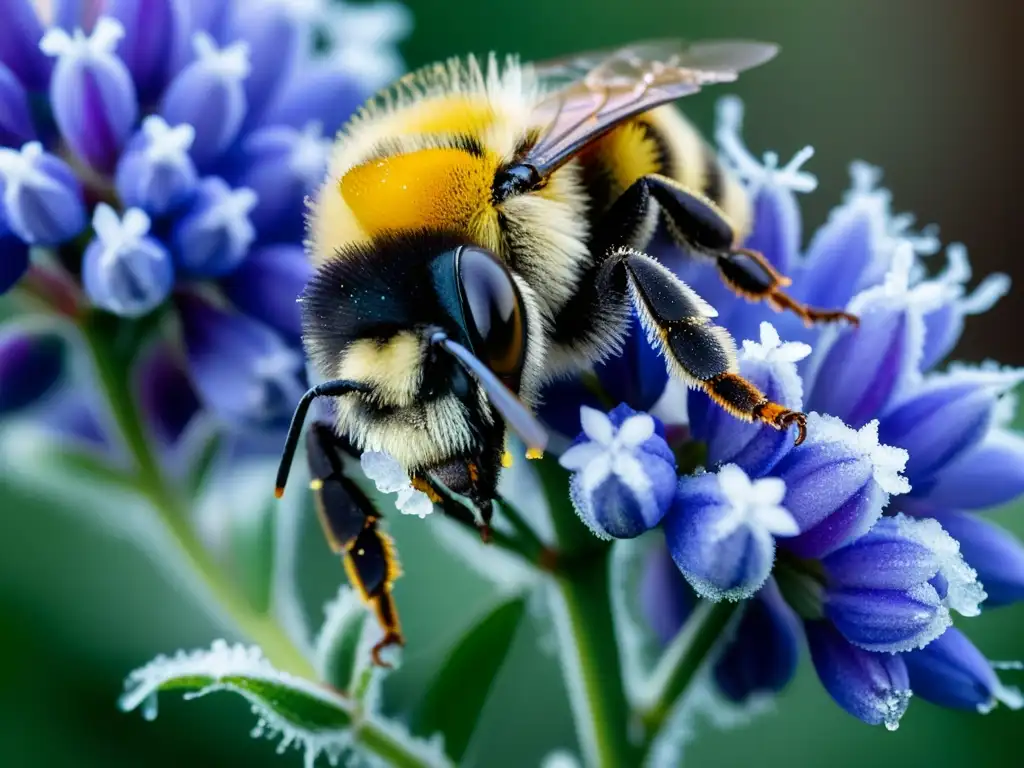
{"x": 771, "y": 349}
{"x": 389, "y": 477}
{"x": 888, "y": 462}
{"x": 964, "y": 594}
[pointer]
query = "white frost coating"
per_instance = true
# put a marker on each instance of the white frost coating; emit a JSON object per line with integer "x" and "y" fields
{"x": 898, "y": 289}
{"x": 771, "y": 349}
{"x": 865, "y": 191}
{"x": 224, "y": 660}
{"x": 756, "y": 505}
{"x": 728, "y": 128}
{"x": 1007, "y": 695}
{"x": 635, "y": 641}
{"x": 560, "y": 759}
{"x": 339, "y": 613}
{"x": 389, "y": 477}
{"x": 892, "y": 708}
{"x": 964, "y": 592}
{"x": 956, "y": 276}
{"x": 887, "y": 461}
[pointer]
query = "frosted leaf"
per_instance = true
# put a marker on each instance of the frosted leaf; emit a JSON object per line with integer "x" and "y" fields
{"x": 560, "y": 759}
{"x": 964, "y": 593}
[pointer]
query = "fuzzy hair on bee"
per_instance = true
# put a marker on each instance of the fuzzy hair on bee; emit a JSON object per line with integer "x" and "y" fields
{"x": 481, "y": 231}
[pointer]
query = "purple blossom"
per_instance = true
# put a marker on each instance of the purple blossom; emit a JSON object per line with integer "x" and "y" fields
{"x": 42, "y": 199}
{"x": 31, "y": 365}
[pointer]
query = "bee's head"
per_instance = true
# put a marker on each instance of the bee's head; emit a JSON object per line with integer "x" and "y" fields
{"x": 441, "y": 340}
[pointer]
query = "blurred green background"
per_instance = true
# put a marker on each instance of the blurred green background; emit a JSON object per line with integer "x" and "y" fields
{"x": 924, "y": 88}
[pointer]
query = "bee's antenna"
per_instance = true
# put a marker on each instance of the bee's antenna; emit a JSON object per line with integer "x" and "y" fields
{"x": 326, "y": 389}
{"x": 522, "y": 422}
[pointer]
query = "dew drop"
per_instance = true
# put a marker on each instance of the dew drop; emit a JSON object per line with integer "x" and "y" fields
{"x": 149, "y": 707}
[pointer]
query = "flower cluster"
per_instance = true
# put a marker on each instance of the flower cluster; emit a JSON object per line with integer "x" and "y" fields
{"x": 157, "y": 156}
{"x": 867, "y": 535}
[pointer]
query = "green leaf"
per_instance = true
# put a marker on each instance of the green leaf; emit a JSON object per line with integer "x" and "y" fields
{"x": 454, "y": 701}
{"x": 252, "y": 554}
{"x": 202, "y": 463}
{"x": 300, "y": 713}
{"x": 340, "y": 640}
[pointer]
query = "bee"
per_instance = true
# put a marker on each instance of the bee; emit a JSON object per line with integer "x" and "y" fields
{"x": 481, "y": 231}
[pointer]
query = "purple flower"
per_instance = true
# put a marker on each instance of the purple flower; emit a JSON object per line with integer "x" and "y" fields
{"x": 42, "y": 199}
{"x": 213, "y": 236}
{"x": 623, "y": 472}
{"x": 267, "y": 286}
{"x": 19, "y": 44}
{"x": 952, "y": 672}
{"x": 15, "y": 121}
{"x": 721, "y": 531}
{"x": 92, "y": 93}
{"x": 125, "y": 271}
{"x": 13, "y": 256}
{"x": 154, "y": 33}
{"x": 208, "y": 95}
{"x": 156, "y": 173}
{"x": 31, "y": 365}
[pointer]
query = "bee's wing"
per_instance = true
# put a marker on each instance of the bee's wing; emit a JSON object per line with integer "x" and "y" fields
{"x": 588, "y": 94}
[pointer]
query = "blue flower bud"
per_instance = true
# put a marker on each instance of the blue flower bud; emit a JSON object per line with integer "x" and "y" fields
{"x": 952, "y": 672}
{"x": 42, "y": 199}
{"x": 721, "y": 531}
{"x": 210, "y": 16}
{"x": 944, "y": 417}
{"x": 156, "y": 173}
{"x": 154, "y": 31}
{"x": 944, "y": 325}
{"x": 856, "y": 372}
{"x": 995, "y": 554}
{"x": 988, "y": 475}
{"x": 267, "y": 286}
{"x": 277, "y": 34}
{"x": 70, "y": 15}
{"x": 893, "y": 589}
{"x": 209, "y": 95}
{"x": 214, "y": 235}
{"x": 31, "y": 364}
{"x": 92, "y": 94}
{"x": 15, "y": 120}
{"x": 319, "y": 90}
{"x": 623, "y": 472}
{"x": 244, "y": 372}
{"x": 837, "y": 483}
{"x": 762, "y": 655}
{"x": 125, "y": 271}
{"x": 19, "y": 44}
{"x": 638, "y": 375}
{"x": 14, "y": 256}
{"x": 283, "y": 166}
{"x": 873, "y": 687}
{"x": 166, "y": 394}
{"x": 771, "y": 366}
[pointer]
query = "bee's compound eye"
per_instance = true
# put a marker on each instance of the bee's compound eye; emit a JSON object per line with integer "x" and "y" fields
{"x": 493, "y": 313}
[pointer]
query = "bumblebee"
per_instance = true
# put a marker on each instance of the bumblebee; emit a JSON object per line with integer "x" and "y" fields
{"x": 481, "y": 232}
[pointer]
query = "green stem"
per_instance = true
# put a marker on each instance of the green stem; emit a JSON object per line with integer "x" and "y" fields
{"x": 114, "y": 368}
{"x": 590, "y": 654}
{"x": 682, "y": 660}
{"x": 375, "y": 738}
{"x": 528, "y": 538}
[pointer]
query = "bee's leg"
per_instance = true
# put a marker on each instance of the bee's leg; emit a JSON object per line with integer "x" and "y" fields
{"x": 448, "y": 479}
{"x": 350, "y": 524}
{"x": 698, "y": 226}
{"x": 698, "y": 351}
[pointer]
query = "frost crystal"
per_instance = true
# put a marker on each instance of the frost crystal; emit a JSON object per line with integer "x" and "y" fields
{"x": 771, "y": 349}
{"x": 964, "y": 593}
{"x": 389, "y": 477}
{"x": 887, "y": 461}
{"x": 892, "y": 708}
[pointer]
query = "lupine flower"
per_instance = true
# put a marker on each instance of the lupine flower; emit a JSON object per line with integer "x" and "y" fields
{"x": 624, "y": 473}
{"x": 885, "y": 548}
{"x": 189, "y": 140}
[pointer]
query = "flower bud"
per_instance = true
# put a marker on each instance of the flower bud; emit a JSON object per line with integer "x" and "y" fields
{"x": 995, "y": 554}
{"x": 70, "y": 15}
{"x": 125, "y": 271}
{"x": 770, "y": 366}
{"x": 321, "y": 90}
{"x": 892, "y": 590}
{"x": 952, "y": 672}
{"x": 166, "y": 395}
{"x": 214, "y": 235}
{"x": 267, "y": 286}
{"x": 873, "y": 687}
{"x": 837, "y": 483}
{"x": 13, "y": 256}
{"x": 208, "y": 94}
{"x": 31, "y": 364}
{"x": 92, "y": 94}
{"x": 623, "y": 472}
{"x": 944, "y": 417}
{"x": 20, "y": 32}
{"x": 154, "y": 31}
{"x": 156, "y": 173}
{"x": 283, "y": 166}
{"x": 243, "y": 371}
{"x": 15, "y": 121}
{"x": 989, "y": 474}
{"x": 42, "y": 199}
{"x": 721, "y": 531}
{"x": 638, "y": 376}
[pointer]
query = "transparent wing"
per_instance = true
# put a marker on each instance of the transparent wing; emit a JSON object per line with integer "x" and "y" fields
{"x": 588, "y": 94}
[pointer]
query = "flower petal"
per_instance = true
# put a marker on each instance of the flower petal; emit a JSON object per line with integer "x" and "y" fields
{"x": 267, "y": 286}
{"x": 990, "y": 474}
{"x": 31, "y": 364}
{"x": 166, "y": 394}
{"x": 42, "y": 199}
{"x": 665, "y": 598}
{"x": 19, "y": 44}
{"x": 15, "y": 121}
{"x": 995, "y": 554}
{"x": 322, "y": 90}
{"x": 873, "y": 687}
{"x": 154, "y": 40}
{"x": 638, "y": 375}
